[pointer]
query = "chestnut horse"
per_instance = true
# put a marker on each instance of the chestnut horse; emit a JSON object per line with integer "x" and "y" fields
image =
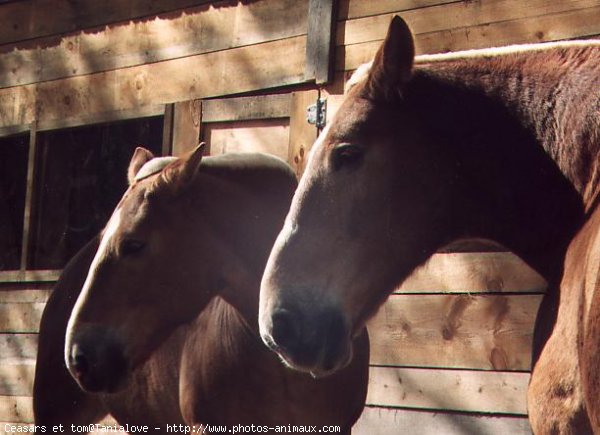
{"x": 164, "y": 329}
{"x": 501, "y": 144}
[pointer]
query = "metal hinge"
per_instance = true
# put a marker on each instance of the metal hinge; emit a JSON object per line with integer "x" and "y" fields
{"x": 316, "y": 114}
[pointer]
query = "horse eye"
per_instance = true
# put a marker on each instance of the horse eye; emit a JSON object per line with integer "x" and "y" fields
{"x": 347, "y": 155}
{"x": 131, "y": 246}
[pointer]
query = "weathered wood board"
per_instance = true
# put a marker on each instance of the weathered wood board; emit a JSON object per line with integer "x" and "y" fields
{"x": 389, "y": 421}
{"x": 487, "y": 332}
{"x": 456, "y": 390}
{"x": 261, "y": 66}
{"x": 267, "y": 136}
{"x": 565, "y": 25}
{"x": 197, "y": 30}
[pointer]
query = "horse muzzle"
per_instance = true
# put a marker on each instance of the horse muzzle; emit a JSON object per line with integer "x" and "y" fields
{"x": 317, "y": 343}
{"x": 96, "y": 359}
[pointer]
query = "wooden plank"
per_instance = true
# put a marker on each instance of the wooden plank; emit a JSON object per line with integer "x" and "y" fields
{"x": 456, "y": 16}
{"x": 31, "y": 187}
{"x": 18, "y": 276}
{"x": 456, "y": 331}
{"x": 25, "y": 295}
{"x": 17, "y": 409}
{"x": 13, "y": 130}
{"x": 470, "y": 272}
{"x": 194, "y": 31}
{"x": 16, "y": 379}
{"x": 568, "y": 25}
{"x": 261, "y": 66}
{"x": 349, "y": 9}
{"x": 168, "y": 130}
{"x": 266, "y": 136}
{"x": 30, "y": 18}
{"x": 18, "y": 106}
{"x": 455, "y": 390}
{"x": 100, "y": 117}
{"x": 302, "y": 134}
{"x": 186, "y": 126}
{"x": 246, "y": 108}
{"x": 17, "y": 347}
{"x": 20, "y": 317}
{"x": 386, "y": 421}
{"x": 319, "y": 46}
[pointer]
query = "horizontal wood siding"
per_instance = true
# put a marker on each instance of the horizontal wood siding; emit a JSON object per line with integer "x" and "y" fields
{"x": 246, "y": 108}
{"x": 29, "y": 19}
{"x": 261, "y": 66}
{"x": 457, "y": 390}
{"x": 468, "y": 25}
{"x": 386, "y": 421}
{"x": 198, "y": 52}
{"x": 196, "y": 30}
{"x": 17, "y": 409}
{"x": 487, "y": 332}
{"x": 473, "y": 272}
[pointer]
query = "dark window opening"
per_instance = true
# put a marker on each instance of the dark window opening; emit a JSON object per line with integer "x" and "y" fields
{"x": 14, "y": 152}
{"x": 80, "y": 177}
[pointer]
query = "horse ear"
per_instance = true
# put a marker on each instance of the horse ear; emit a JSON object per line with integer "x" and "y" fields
{"x": 192, "y": 165}
{"x": 140, "y": 157}
{"x": 392, "y": 65}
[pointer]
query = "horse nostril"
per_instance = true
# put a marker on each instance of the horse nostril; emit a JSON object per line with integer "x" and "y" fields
{"x": 286, "y": 330}
{"x": 79, "y": 362}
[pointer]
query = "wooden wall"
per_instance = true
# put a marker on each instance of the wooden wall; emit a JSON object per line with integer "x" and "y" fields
{"x": 451, "y": 347}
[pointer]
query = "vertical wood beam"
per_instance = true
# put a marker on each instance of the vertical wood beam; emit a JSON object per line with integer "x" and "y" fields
{"x": 167, "y": 142}
{"x": 302, "y": 134}
{"x": 320, "y": 43}
{"x": 29, "y": 197}
{"x": 187, "y": 121}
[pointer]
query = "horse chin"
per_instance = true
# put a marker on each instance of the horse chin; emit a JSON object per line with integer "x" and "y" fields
{"x": 324, "y": 366}
{"x": 102, "y": 382}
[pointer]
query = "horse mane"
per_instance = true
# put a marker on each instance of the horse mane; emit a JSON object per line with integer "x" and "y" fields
{"x": 480, "y": 53}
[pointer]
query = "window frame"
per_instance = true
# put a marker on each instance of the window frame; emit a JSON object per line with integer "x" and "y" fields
{"x": 25, "y": 274}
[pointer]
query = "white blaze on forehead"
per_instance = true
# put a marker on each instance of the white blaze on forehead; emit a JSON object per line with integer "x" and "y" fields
{"x": 109, "y": 232}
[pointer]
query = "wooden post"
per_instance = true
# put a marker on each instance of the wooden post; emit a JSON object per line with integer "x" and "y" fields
{"x": 167, "y": 142}
{"x": 29, "y": 197}
{"x": 320, "y": 42}
{"x": 302, "y": 134}
{"x": 186, "y": 126}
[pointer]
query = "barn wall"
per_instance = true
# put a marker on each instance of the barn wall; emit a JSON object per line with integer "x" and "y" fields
{"x": 451, "y": 347}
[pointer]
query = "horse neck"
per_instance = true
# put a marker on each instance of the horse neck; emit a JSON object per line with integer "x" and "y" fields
{"x": 524, "y": 131}
{"x": 244, "y": 227}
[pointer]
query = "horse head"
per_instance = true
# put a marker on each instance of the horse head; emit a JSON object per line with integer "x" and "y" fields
{"x": 374, "y": 202}
{"x": 179, "y": 236}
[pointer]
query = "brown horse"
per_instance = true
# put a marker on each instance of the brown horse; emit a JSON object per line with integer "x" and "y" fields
{"x": 165, "y": 327}
{"x": 500, "y": 144}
